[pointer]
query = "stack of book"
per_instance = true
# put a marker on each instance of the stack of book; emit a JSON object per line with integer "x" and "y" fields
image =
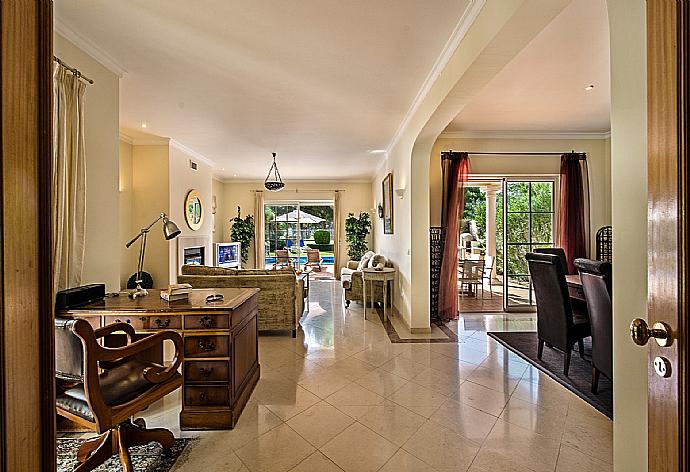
{"x": 176, "y": 292}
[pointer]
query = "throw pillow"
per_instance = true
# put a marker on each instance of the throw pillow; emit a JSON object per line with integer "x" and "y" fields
{"x": 378, "y": 260}
{"x": 363, "y": 262}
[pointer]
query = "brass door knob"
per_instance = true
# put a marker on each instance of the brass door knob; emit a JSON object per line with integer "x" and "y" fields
{"x": 640, "y": 333}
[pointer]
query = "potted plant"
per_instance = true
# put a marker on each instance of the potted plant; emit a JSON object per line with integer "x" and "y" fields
{"x": 356, "y": 231}
{"x": 242, "y": 231}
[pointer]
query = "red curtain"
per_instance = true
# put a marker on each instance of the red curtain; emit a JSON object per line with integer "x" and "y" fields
{"x": 573, "y": 220}
{"x": 456, "y": 167}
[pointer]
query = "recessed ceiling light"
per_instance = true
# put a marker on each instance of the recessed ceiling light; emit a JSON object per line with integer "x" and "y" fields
{"x": 589, "y": 87}
{"x": 144, "y": 125}
{"x": 377, "y": 151}
{"x": 234, "y": 175}
{"x": 222, "y": 168}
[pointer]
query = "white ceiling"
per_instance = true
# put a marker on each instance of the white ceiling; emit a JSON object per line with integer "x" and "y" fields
{"x": 320, "y": 82}
{"x": 543, "y": 88}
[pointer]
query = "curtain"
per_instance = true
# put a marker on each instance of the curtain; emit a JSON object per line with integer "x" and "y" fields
{"x": 573, "y": 216}
{"x": 456, "y": 167}
{"x": 259, "y": 228}
{"x": 337, "y": 224}
{"x": 69, "y": 178}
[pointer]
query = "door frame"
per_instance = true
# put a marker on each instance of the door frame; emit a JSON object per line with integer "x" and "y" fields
{"x": 668, "y": 73}
{"x": 27, "y": 372}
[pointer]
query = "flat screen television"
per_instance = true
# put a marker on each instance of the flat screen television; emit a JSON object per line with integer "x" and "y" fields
{"x": 227, "y": 255}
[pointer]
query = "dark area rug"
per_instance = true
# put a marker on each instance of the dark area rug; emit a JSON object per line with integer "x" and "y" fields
{"x": 579, "y": 380}
{"x": 147, "y": 458}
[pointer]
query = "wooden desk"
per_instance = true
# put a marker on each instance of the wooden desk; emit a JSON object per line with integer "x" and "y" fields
{"x": 221, "y": 358}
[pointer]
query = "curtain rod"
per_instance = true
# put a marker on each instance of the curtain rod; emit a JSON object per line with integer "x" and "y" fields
{"x": 77, "y": 73}
{"x": 446, "y": 153}
{"x": 297, "y": 190}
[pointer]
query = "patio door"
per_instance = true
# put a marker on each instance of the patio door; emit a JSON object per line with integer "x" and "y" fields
{"x": 297, "y": 226}
{"x": 528, "y": 210}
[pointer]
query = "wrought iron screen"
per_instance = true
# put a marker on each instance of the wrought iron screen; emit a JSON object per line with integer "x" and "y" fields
{"x": 605, "y": 244}
{"x": 435, "y": 254}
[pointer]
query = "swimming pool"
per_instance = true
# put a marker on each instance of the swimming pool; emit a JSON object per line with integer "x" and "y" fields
{"x": 302, "y": 260}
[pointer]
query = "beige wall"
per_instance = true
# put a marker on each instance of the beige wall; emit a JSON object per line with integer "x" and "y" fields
{"x": 128, "y": 258}
{"x": 151, "y": 183}
{"x": 598, "y": 159}
{"x": 101, "y": 116}
{"x": 182, "y": 180}
{"x": 357, "y": 197}
{"x": 627, "y": 20}
{"x": 219, "y": 195}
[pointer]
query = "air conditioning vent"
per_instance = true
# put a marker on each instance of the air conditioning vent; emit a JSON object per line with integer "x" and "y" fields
{"x": 193, "y": 165}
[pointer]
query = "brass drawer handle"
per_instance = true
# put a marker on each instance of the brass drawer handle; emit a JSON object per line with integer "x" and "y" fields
{"x": 206, "y": 373}
{"x": 202, "y": 397}
{"x": 128, "y": 321}
{"x": 162, "y": 324}
{"x": 142, "y": 318}
{"x": 206, "y": 345}
{"x": 207, "y": 322}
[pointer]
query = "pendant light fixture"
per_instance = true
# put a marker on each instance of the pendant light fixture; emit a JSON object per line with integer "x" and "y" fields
{"x": 273, "y": 181}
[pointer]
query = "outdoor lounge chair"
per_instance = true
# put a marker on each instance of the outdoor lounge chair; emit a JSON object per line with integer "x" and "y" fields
{"x": 314, "y": 259}
{"x": 283, "y": 259}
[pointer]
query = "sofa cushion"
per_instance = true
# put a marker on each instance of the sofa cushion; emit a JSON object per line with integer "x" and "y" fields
{"x": 363, "y": 262}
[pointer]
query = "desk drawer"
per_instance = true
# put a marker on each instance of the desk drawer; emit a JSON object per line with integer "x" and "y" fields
{"x": 206, "y": 346}
{"x": 576, "y": 292}
{"x": 207, "y": 321}
{"x": 205, "y": 395}
{"x": 206, "y": 371}
{"x": 154, "y": 322}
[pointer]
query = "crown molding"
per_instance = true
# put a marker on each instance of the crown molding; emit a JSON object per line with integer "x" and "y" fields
{"x": 89, "y": 47}
{"x": 191, "y": 152}
{"x": 458, "y": 34}
{"x": 152, "y": 141}
{"x": 524, "y": 135}
{"x": 126, "y": 138}
{"x": 260, "y": 182}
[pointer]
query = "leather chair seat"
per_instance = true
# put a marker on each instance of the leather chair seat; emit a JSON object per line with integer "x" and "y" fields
{"x": 118, "y": 386}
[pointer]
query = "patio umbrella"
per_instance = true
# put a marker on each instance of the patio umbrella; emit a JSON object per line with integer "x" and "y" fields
{"x": 304, "y": 217}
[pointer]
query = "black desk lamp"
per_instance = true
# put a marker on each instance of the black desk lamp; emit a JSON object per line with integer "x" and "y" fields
{"x": 170, "y": 231}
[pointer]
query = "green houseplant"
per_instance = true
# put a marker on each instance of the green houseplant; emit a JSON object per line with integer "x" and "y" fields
{"x": 242, "y": 231}
{"x": 356, "y": 231}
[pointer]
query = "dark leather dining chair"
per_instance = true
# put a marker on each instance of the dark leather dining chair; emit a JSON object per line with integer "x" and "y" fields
{"x": 101, "y": 388}
{"x": 556, "y": 251}
{"x": 596, "y": 283}
{"x": 557, "y": 324}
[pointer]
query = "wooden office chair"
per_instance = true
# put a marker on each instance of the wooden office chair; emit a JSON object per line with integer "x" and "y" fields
{"x": 314, "y": 259}
{"x": 105, "y": 401}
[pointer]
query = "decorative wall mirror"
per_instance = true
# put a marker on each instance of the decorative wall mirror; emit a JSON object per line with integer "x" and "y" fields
{"x": 194, "y": 210}
{"x": 387, "y": 185}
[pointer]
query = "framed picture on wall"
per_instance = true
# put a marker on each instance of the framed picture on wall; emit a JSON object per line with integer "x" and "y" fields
{"x": 388, "y": 204}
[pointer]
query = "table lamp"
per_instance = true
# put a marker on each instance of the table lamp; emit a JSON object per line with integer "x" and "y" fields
{"x": 170, "y": 231}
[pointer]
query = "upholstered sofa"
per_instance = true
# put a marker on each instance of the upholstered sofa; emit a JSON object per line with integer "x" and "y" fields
{"x": 351, "y": 278}
{"x": 281, "y": 299}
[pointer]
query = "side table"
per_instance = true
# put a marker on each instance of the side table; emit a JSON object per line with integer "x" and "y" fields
{"x": 371, "y": 275}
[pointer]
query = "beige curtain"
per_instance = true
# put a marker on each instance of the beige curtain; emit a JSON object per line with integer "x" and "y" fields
{"x": 337, "y": 225}
{"x": 69, "y": 178}
{"x": 259, "y": 237}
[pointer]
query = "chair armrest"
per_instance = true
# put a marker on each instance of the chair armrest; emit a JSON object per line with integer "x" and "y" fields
{"x": 152, "y": 374}
{"x": 111, "y": 328}
{"x": 352, "y": 265}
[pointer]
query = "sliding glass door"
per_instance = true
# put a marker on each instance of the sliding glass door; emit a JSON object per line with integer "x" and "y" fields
{"x": 297, "y": 226}
{"x": 528, "y": 222}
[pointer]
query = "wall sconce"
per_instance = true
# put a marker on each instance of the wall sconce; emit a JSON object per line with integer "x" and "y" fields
{"x": 400, "y": 192}
{"x": 379, "y": 209}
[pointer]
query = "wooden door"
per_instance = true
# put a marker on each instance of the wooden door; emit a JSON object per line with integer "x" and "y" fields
{"x": 668, "y": 205}
{"x": 27, "y": 412}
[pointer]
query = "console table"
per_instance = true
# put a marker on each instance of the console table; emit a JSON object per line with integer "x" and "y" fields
{"x": 371, "y": 275}
{"x": 220, "y": 339}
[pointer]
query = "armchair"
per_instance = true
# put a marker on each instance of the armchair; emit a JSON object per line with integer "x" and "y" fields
{"x": 104, "y": 402}
{"x": 314, "y": 259}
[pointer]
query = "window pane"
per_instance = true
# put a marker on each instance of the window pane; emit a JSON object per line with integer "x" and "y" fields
{"x": 518, "y": 290}
{"x": 517, "y": 264}
{"x": 518, "y": 227}
{"x": 542, "y": 196}
{"x": 542, "y": 227}
{"x": 518, "y": 196}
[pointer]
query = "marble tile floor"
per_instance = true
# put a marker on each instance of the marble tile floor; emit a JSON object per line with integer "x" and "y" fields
{"x": 342, "y": 397}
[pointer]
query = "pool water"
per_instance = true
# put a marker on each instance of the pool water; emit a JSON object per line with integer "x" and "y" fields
{"x": 302, "y": 260}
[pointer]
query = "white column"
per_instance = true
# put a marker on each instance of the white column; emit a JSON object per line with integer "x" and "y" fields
{"x": 491, "y": 225}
